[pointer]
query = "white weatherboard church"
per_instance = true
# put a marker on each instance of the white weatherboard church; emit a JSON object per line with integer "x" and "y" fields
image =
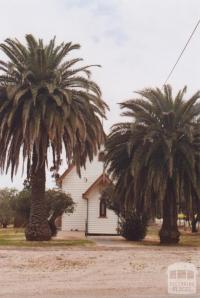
{"x": 90, "y": 214}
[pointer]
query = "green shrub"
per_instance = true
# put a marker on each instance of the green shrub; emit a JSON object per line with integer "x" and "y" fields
{"x": 133, "y": 227}
{"x": 57, "y": 202}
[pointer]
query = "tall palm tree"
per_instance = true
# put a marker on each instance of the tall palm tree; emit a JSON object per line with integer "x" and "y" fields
{"x": 162, "y": 144}
{"x": 46, "y": 101}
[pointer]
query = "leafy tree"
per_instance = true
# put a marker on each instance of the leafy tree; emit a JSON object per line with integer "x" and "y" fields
{"x": 155, "y": 156}
{"x": 21, "y": 208}
{"x": 46, "y": 102}
{"x": 6, "y": 212}
{"x": 56, "y": 203}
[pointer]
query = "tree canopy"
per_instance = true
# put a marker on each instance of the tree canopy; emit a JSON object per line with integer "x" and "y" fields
{"x": 7, "y": 196}
{"x": 156, "y": 153}
{"x": 46, "y": 101}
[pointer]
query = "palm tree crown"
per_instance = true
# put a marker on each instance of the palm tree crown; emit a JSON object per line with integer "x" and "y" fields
{"x": 160, "y": 143}
{"x": 46, "y": 102}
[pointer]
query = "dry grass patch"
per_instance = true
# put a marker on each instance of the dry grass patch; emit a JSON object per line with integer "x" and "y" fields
{"x": 187, "y": 238}
{"x": 16, "y": 238}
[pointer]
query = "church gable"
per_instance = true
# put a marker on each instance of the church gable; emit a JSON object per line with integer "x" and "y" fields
{"x": 85, "y": 192}
{"x": 76, "y": 185}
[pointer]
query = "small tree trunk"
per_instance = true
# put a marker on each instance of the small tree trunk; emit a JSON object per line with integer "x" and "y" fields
{"x": 152, "y": 217}
{"x": 19, "y": 222}
{"x": 38, "y": 227}
{"x": 52, "y": 225}
{"x": 169, "y": 233}
{"x": 4, "y": 225}
{"x": 194, "y": 223}
{"x": 194, "y": 226}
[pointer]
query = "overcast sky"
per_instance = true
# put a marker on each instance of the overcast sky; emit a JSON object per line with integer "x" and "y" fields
{"x": 135, "y": 41}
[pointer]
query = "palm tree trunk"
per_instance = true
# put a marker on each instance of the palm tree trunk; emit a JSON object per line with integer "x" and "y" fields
{"x": 169, "y": 233}
{"x": 38, "y": 227}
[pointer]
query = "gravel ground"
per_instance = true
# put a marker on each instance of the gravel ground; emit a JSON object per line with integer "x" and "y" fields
{"x": 105, "y": 270}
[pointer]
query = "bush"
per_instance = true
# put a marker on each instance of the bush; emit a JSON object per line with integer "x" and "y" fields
{"x": 133, "y": 227}
{"x": 21, "y": 208}
{"x": 57, "y": 202}
{"x": 6, "y": 213}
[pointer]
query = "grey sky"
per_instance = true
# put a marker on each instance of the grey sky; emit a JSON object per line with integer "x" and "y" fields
{"x": 135, "y": 41}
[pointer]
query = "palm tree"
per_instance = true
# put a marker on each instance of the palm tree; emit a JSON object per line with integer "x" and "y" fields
{"x": 162, "y": 145}
{"x": 46, "y": 102}
{"x": 118, "y": 164}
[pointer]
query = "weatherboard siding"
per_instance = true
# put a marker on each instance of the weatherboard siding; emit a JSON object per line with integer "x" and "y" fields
{"x": 96, "y": 224}
{"x": 76, "y": 186}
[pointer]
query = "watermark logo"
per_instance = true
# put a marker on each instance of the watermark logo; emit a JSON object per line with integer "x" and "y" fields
{"x": 182, "y": 278}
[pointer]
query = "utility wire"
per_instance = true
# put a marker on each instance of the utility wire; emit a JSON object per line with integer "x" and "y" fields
{"x": 183, "y": 50}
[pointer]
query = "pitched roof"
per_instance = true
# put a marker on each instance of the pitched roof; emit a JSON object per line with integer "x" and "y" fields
{"x": 66, "y": 172}
{"x": 103, "y": 178}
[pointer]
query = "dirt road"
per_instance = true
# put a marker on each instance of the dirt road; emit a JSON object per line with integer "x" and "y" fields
{"x": 120, "y": 271}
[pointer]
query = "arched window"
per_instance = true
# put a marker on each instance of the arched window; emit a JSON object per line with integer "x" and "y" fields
{"x": 102, "y": 208}
{"x": 101, "y": 156}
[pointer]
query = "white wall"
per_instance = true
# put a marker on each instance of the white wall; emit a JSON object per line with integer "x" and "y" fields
{"x": 76, "y": 187}
{"x": 96, "y": 224}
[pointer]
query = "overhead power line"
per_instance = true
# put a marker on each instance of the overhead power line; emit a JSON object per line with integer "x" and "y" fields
{"x": 183, "y": 50}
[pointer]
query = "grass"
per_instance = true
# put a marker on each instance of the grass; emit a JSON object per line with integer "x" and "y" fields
{"x": 190, "y": 239}
{"x": 187, "y": 238}
{"x": 15, "y": 238}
